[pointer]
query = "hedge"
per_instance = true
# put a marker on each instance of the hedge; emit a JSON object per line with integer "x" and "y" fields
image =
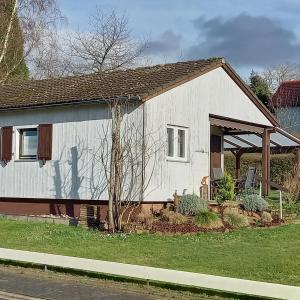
{"x": 280, "y": 165}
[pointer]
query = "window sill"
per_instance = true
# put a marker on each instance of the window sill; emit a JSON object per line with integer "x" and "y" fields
{"x": 26, "y": 160}
{"x": 178, "y": 160}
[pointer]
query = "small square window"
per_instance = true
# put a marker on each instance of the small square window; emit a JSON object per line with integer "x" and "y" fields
{"x": 177, "y": 143}
{"x": 28, "y": 143}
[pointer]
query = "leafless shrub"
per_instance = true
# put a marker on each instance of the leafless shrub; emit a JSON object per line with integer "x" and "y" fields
{"x": 276, "y": 74}
{"x": 292, "y": 184}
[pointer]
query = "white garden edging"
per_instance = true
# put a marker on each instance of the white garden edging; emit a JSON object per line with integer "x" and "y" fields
{"x": 226, "y": 284}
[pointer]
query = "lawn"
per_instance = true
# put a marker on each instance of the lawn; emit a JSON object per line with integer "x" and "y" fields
{"x": 259, "y": 254}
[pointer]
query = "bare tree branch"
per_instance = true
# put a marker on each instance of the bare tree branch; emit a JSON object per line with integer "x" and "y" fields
{"x": 275, "y": 75}
{"x": 105, "y": 47}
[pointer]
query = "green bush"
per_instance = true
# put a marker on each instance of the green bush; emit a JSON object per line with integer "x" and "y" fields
{"x": 253, "y": 202}
{"x": 292, "y": 208}
{"x": 280, "y": 165}
{"x": 235, "y": 220}
{"x": 208, "y": 219}
{"x": 190, "y": 204}
{"x": 225, "y": 189}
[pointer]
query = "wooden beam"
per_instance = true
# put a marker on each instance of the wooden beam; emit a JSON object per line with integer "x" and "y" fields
{"x": 238, "y": 156}
{"x": 265, "y": 162}
{"x": 273, "y": 184}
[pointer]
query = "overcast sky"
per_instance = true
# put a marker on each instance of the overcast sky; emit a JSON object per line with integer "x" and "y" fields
{"x": 249, "y": 34}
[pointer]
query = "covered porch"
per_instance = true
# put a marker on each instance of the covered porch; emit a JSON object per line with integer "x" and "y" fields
{"x": 240, "y": 137}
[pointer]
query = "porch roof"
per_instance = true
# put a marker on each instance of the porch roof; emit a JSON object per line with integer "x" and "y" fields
{"x": 280, "y": 141}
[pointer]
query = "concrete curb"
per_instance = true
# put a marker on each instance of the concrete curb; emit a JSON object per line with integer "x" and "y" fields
{"x": 225, "y": 284}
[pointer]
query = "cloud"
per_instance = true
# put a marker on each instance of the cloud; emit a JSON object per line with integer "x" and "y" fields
{"x": 167, "y": 43}
{"x": 245, "y": 41}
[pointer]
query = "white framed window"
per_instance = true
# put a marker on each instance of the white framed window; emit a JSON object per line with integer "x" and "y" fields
{"x": 26, "y": 143}
{"x": 177, "y": 143}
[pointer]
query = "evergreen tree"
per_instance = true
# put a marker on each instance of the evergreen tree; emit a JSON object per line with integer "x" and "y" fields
{"x": 13, "y": 66}
{"x": 260, "y": 87}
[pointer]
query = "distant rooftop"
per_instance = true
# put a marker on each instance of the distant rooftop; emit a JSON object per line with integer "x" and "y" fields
{"x": 288, "y": 94}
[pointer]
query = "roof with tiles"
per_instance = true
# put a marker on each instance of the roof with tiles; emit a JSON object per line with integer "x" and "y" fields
{"x": 288, "y": 94}
{"x": 141, "y": 82}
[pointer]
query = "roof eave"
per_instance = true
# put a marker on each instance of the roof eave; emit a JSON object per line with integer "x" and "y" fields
{"x": 74, "y": 102}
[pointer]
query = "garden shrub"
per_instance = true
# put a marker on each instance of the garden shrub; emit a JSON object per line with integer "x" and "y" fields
{"x": 173, "y": 217}
{"x": 208, "y": 219}
{"x": 292, "y": 208}
{"x": 225, "y": 189}
{"x": 190, "y": 204}
{"x": 145, "y": 218}
{"x": 266, "y": 217}
{"x": 292, "y": 184}
{"x": 235, "y": 220}
{"x": 253, "y": 202}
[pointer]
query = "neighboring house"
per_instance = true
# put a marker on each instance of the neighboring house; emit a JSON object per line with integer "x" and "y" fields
{"x": 286, "y": 105}
{"x": 51, "y": 132}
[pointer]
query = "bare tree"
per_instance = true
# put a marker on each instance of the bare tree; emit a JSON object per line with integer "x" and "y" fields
{"x": 124, "y": 154}
{"x": 35, "y": 19}
{"x": 275, "y": 75}
{"x": 106, "y": 46}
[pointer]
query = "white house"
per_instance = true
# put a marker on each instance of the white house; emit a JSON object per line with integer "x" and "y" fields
{"x": 52, "y": 130}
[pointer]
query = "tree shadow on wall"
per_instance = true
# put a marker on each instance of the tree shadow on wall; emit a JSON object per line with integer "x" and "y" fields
{"x": 67, "y": 186}
{"x": 82, "y": 165}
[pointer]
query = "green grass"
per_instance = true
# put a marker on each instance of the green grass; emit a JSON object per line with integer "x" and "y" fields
{"x": 259, "y": 254}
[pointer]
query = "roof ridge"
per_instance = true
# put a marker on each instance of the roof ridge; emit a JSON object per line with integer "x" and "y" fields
{"x": 290, "y": 81}
{"x": 141, "y": 81}
{"x": 94, "y": 74}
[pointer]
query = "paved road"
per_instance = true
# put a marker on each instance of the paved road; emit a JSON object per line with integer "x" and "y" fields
{"x": 15, "y": 285}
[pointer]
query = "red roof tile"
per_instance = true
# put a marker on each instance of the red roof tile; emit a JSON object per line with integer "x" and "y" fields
{"x": 288, "y": 94}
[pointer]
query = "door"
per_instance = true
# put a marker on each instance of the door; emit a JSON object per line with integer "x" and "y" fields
{"x": 215, "y": 152}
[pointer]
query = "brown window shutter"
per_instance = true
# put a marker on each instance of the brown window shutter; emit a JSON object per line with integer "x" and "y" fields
{"x": 6, "y": 143}
{"x": 45, "y": 142}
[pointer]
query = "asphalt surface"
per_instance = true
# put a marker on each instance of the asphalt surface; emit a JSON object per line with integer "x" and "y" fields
{"x": 27, "y": 287}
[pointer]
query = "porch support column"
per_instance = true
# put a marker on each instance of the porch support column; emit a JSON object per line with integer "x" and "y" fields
{"x": 265, "y": 162}
{"x": 238, "y": 156}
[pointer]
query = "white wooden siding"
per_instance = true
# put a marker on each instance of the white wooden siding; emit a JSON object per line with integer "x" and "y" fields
{"x": 189, "y": 105}
{"x": 75, "y": 171}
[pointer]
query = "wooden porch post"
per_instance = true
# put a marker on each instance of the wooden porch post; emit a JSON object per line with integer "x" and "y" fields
{"x": 238, "y": 156}
{"x": 266, "y": 162}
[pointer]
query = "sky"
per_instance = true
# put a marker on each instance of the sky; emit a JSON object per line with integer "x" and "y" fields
{"x": 249, "y": 34}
